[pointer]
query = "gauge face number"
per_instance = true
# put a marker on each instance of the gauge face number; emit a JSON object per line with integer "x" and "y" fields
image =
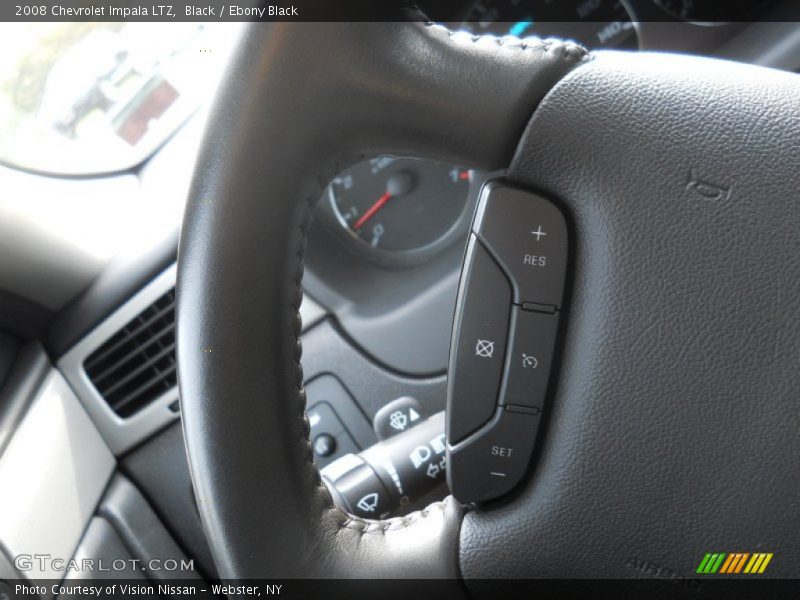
{"x": 399, "y": 204}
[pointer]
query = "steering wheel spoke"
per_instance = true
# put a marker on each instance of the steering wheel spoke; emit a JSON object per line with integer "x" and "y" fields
{"x": 678, "y": 369}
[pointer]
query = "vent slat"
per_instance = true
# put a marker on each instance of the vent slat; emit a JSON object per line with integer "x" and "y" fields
{"x": 125, "y": 335}
{"x": 121, "y": 404}
{"x": 137, "y": 364}
{"x": 108, "y": 392}
{"x": 134, "y": 352}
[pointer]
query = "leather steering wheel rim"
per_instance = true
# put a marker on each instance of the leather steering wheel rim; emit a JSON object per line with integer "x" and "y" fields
{"x": 301, "y": 102}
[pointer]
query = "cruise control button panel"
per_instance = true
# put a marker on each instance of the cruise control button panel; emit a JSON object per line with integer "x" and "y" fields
{"x": 529, "y": 358}
{"x": 528, "y": 237}
{"x": 508, "y": 307}
{"x": 478, "y": 347}
{"x": 493, "y": 461}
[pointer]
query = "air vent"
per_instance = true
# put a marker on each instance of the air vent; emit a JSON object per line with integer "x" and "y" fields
{"x": 137, "y": 364}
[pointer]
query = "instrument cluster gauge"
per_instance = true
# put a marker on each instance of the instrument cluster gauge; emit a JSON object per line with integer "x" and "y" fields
{"x": 593, "y": 23}
{"x": 711, "y": 12}
{"x": 401, "y": 210}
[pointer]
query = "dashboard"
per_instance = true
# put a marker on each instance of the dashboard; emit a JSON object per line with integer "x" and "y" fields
{"x": 386, "y": 243}
{"x": 594, "y": 23}
{"x": 384, "y": 254}
{"x": 389, "y": 233}
{"x": 602, "y": 24}
{"x": 399, "y": 211}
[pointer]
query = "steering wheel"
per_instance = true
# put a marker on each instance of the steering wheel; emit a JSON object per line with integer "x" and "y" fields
{"x": 673, "y": 427}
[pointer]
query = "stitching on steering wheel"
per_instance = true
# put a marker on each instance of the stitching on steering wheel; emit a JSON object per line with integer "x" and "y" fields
{"x": 573, "y": 52}
{"x": 344, "y": 519}
{"x": 385, "y": 525}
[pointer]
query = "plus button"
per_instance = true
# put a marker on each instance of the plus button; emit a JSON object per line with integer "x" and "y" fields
{"x": 538, "y": 233}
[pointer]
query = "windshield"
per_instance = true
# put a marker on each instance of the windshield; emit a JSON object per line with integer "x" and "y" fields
{"x": 80, "y": 98}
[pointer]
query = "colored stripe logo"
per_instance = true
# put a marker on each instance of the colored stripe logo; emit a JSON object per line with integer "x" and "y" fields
{"x": 734, "y": 563}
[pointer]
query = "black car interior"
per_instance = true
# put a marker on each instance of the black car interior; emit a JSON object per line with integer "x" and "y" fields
{"x": 581, "y": 361}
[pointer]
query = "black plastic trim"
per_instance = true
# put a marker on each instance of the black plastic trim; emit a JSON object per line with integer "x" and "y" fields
{"x": 22, "y": 317}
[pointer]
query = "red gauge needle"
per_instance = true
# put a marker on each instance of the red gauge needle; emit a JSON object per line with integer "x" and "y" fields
{"x": 397, "y": 185}
{"x": 372, "y": 210}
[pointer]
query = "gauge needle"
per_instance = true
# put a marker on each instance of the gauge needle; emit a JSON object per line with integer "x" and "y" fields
{"x": 398, "y": 184}
{"x": 372, "y": 210}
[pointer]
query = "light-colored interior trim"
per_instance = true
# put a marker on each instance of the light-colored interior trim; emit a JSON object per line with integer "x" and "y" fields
{"x": 122, "y": 434}
{"x": 52, "y": 475}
